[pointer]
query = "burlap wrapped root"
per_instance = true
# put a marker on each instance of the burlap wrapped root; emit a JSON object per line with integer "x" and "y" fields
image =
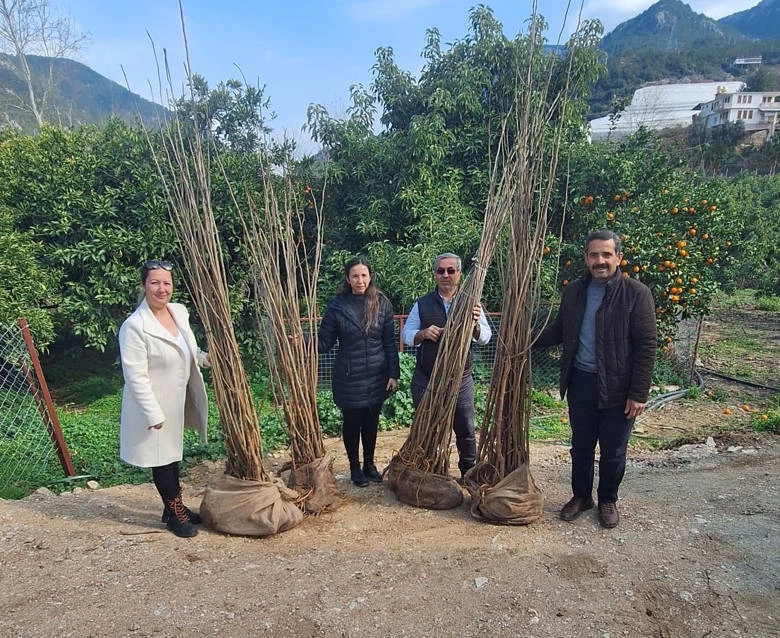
{"x": 317, "y": 486}
{"x": 423, "y": 489}
{"x": 514, "y": 500}
{"x": 250, "y": 508}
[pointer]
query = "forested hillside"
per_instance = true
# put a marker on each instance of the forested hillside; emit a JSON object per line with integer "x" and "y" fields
{"x": 78, "y": 96}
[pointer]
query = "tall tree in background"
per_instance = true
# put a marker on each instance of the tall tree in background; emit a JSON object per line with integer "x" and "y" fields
{"x": 33, "y": 27}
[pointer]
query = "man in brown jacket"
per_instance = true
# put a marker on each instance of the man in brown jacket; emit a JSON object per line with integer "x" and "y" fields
{"x": 606, "y": 323}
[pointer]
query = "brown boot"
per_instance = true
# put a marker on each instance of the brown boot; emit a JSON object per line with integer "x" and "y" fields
{"x": 179, "y": 522}
{"x": 608, "y": 515}
{"x": 576, "y": 506}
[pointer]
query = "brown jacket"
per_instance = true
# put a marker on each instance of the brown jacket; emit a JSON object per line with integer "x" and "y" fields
{"x": 626, "y": 338}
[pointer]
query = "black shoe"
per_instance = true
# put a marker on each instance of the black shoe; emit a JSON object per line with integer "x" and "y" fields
{"x": 575, "y": 507}
{"x": 194, "y": 517}
{"x": 179, "y": 523}
{"x": 358, "y": 478}
{"x": 371, "y": 473}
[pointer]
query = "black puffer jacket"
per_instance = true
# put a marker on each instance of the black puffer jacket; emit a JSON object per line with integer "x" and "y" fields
{"x": 364, "y": 362}
{"x": 626, "y": 336}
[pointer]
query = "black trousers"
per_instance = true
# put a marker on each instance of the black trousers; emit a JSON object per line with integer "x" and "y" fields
{"x": 609, "y": 428}
{"x": 360, "y": 423}
{"x": 462, "y": 422}
{"x": 166, "y": 480}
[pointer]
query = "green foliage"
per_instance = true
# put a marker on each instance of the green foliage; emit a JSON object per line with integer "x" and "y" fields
{"x": 91, "y": 201}
{"x": 419, "y": 188}
{"x": 769, "y": 420}
{"x": 329, "y": 414}
{"x": 679, "y": 230}
{"x": 397, "y": 411}
{"x": 769, "y": 304}
{"x": 27, "y": 287}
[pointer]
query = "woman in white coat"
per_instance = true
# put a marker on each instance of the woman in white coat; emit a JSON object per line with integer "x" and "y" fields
{"x": 163, "y": 391}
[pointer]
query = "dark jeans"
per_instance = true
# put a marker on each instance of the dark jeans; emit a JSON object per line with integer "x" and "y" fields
{"x": 360, "y": 423}
{"x": 462, "y": 422}
{"x": 589, "y": 425}
{"x": 166, "y": 480}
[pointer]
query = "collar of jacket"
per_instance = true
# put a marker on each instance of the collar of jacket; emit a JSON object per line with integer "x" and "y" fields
{"x": 153, "y": 327}
{"x": 611, "y": 284}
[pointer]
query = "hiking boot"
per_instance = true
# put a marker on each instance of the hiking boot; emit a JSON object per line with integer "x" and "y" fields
{"x": 358, "y": 478}
{"x": 371, "y": 473}
{"x": 178, "y": 522}
{"x": 193, "y": 516}
{"x": 576, "y": 506}
{"x": 608, "y": 515}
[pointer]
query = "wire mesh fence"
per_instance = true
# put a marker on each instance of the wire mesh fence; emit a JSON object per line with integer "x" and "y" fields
{"x": 544, "y": 364}
{"x": 28, "y": 449}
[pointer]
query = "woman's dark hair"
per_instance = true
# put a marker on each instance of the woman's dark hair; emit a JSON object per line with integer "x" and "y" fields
{"x": 372, "y": 296}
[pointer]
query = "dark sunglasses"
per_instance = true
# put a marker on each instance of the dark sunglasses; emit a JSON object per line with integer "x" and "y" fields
{"x": 449, "y": 271}
{"x": 154, "y": 264}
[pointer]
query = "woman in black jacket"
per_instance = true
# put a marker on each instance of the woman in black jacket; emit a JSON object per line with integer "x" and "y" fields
{"x": 366, "y": 368}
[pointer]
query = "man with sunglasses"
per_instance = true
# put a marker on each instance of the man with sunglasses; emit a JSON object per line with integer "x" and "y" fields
{"x": 431, "y": 311}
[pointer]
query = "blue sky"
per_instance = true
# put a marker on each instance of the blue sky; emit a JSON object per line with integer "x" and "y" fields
{"x": 304, "y": 51}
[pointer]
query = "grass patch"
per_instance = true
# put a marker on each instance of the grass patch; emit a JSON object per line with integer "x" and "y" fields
{"x": 769, "y": 420}
{"x": 768, "y": 304}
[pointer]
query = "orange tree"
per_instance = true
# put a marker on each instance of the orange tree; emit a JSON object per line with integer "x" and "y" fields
{"x": 677, "y": 229}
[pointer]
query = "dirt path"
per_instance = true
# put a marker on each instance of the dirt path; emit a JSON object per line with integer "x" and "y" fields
{"x": 696, "y": 554}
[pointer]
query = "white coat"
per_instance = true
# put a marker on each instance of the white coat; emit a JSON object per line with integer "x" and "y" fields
{"x": 158, "y": 389}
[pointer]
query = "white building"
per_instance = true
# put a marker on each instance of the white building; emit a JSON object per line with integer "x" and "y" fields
{"x": 660, "y": 106}
{"x": 759, "y": 111}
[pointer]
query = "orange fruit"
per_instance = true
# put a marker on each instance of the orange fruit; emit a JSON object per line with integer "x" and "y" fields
{"x": 713, "y": 208}
{"x": 616, "y": 198}
{"x": 623, "y": 262}
{"x": 746, "y": 408}
{"x": 546, "y": 250}
{"x": 610, "y": 216}
{"x": 705, "y": 236}
{"x": 568, "y": 263}
{"x": 635, "y": 269}
{"x": 691, "y": 291}
{"x": 691, "y": 231}
{"x": 726, "y": 411}
{"x": 694, "y": 280}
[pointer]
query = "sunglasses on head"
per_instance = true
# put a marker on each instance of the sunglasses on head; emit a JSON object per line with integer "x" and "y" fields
{"x": 153, "y": 264}
{"x": 449, "y": 271}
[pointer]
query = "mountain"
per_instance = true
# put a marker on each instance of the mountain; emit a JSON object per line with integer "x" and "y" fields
{"x": 671, "y": 26}
{"x": 79, "y": 96}
{"x": 761, "y": 22}
{"x": 670, "y": 43}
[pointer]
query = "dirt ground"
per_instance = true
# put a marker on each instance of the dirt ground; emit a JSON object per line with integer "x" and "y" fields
{"x": 697, "y": 553}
